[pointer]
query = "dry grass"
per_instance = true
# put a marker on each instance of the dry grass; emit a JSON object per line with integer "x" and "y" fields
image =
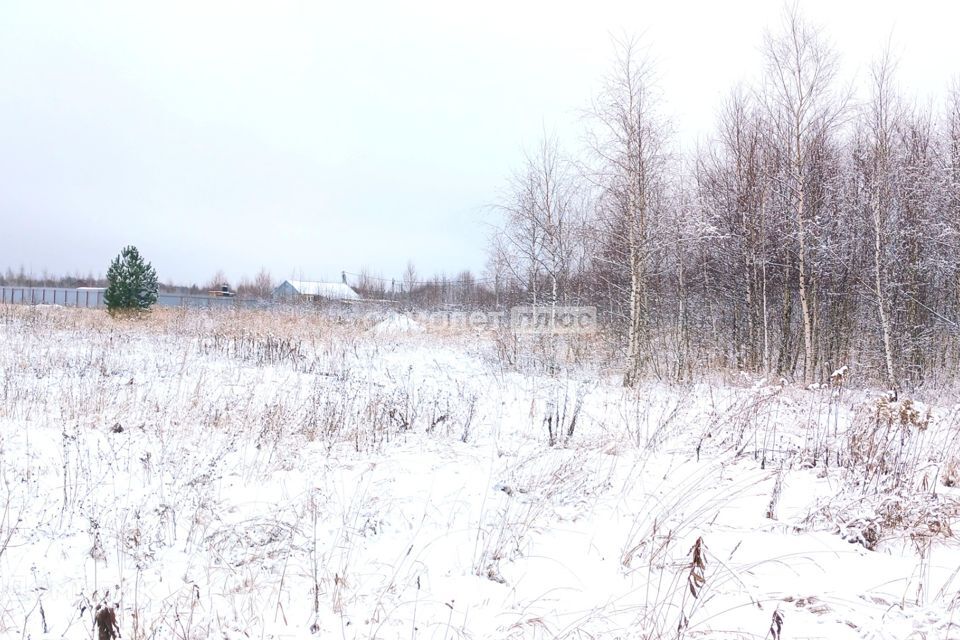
{"x": 154, "y": 423}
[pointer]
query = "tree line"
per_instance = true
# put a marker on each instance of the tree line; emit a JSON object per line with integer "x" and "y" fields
{"x": 817, "y": 228}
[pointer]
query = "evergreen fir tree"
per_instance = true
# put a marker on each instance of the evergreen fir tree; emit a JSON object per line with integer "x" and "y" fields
{"x": 131, "y": 283}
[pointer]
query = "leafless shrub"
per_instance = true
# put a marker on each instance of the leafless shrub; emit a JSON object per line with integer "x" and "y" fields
{"x": 886, "y": 444}
{"x": 255, "y": 348}
{"x": 891, "y": 453}
{"x": 745, "y": 420}
{"x": 453, "y": 414}
{"x": 508, "y": 348}
{"x": 562, "y": 413}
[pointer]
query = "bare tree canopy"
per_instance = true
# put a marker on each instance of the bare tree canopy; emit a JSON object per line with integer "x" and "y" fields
{"x": 814, "y": 229}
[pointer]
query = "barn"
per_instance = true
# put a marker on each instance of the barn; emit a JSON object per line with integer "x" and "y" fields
{"x": 315, "y": 291}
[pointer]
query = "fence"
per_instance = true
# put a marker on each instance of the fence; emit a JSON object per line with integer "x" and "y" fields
{"x": 93, "y": 298}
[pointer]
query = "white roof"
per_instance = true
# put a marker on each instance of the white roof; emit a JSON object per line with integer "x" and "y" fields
{"x": 329, "y": 290}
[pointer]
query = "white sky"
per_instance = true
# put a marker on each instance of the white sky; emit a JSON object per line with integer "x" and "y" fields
{"x": 311, "y": 137}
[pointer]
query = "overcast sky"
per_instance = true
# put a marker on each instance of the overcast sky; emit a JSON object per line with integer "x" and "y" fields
{"x": 311, "y": 137}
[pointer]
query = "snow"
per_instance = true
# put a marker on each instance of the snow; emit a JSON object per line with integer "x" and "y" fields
{"x": 356, "y": 487}
{"x": 397, "y": 323}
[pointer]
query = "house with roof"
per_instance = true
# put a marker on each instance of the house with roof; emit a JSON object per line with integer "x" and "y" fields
{"x": 315, "y": 291}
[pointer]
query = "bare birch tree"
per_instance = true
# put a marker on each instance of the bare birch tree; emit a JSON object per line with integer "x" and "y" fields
{"x": 541, "y": 235}
{"x": 883, "y": 116}
{"x": 628, "y": 140}
{"x": 801, "y": 71}
{"x": 732, "y": 183}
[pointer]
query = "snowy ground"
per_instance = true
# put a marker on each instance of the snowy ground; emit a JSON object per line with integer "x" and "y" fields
{"x": 235, "y": 475}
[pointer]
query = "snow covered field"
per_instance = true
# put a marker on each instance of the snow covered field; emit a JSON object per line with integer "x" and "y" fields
{"x": 242, "y": 474}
